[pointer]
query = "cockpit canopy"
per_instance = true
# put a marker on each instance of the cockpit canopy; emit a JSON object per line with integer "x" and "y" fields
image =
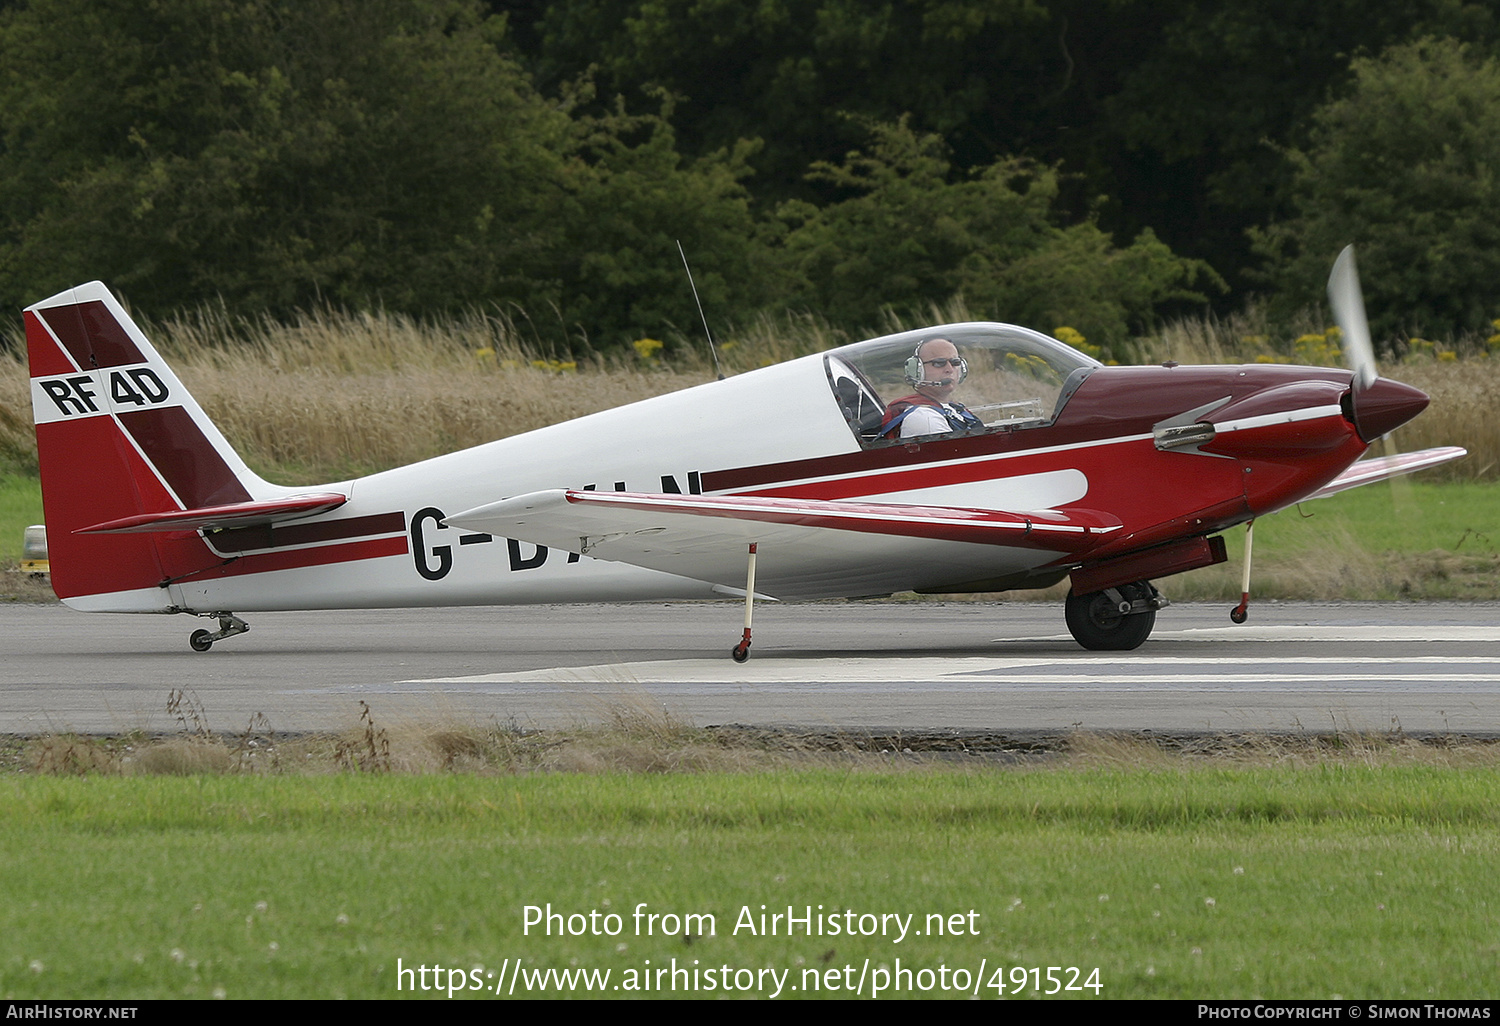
{"x": 1016, "y": 377}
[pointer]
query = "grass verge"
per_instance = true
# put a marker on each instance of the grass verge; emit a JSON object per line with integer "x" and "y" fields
{"x": 1362, "y": 874}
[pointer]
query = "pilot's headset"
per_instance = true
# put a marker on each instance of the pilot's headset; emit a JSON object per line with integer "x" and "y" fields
{"x": 916, "y": 369}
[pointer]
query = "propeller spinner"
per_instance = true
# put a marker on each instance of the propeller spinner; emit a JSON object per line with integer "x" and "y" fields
{"x": 1378, "y": 404}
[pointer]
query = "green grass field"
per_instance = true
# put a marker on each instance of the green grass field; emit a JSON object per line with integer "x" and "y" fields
{"x": 1417, "y": 516}
{"x": 1312, "y": 880}
{"x": 1409, "y": 539}
{"x": 20, "y": 506}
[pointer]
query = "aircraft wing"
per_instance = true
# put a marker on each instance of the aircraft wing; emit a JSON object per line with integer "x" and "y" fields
{"x": 235, "y": 514}
{"x": 1379, "y": 469}
{"x": 874, "y": 546}
{"x": 580, "y": 521}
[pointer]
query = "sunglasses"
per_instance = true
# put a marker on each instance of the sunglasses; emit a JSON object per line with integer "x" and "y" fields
{"x": 956, "y": 363}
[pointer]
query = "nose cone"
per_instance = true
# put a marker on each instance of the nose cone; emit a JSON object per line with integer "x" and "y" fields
{"x": 1384, "y": 406}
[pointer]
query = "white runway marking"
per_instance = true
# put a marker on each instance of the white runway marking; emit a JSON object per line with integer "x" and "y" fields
{"x": 1381, "y": 632}
{"x": 1145, "y": 670}
{"x": 867, "y": 676}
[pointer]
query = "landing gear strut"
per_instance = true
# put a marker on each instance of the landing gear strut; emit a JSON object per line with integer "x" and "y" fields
{"x": 229, "y": 626}
{"x": 741, "y": 652}
{"x": 1115, "y": 619}
{"x": 1241, "y": 612}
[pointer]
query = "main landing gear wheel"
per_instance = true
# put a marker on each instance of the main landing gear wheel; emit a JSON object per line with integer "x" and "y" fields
{"x": 1115, "y": 619}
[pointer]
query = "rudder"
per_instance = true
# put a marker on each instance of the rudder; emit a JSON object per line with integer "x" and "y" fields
{"x": 119, "y": 436}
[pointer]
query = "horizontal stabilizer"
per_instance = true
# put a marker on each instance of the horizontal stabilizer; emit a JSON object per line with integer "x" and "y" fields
{"x": 235, "y": 514}
{"x": 1379, "y": 469}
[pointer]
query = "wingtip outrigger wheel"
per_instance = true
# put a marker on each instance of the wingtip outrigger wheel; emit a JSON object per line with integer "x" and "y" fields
{"x": 1241, "y": 612}
{"x": 229, "y": 626}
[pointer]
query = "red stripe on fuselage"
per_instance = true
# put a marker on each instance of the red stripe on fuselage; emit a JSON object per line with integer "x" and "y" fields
{"x": 323, "y": 555}
{"x": 247, "y": 539}
{"x": 936, "y": 476}
{"x": 768, "y": 477}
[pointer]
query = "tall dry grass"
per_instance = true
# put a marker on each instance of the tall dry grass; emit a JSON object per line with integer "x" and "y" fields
{"x": 330, "y": 394}
{"x": 17, "y": 442}
{"x": 1464, "y": 411}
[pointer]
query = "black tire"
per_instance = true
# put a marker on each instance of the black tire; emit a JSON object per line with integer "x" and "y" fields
{"x": 740, "y": 653}
{"x": 1099, "y": 626}
{"x": 201, "y": 641}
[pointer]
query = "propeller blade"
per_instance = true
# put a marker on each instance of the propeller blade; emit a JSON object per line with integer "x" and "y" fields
{"x": 1349, "y": 310}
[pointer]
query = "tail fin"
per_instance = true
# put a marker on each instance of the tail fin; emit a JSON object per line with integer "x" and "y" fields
{"x": 123, "y": 447}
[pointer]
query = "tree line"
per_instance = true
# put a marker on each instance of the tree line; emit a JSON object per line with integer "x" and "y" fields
{"x": 1050, "y": 161}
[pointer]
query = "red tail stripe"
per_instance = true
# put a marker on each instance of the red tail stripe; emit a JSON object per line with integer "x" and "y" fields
{"x": 44, "y": 356}
{"x": 92, "y": 335}
{"x": 89, "y": 473}
{"x": 176, "y": 446}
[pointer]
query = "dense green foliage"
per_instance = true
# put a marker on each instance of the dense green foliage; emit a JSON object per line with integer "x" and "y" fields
{"x": 1052, "y": 161}
{"x": 269, "y": 153}
{"x": 1175, "y": 112}
{"x": 1405, "y": 167}
{"x": 277, "y": 154}
{"x": 910, "y": 235}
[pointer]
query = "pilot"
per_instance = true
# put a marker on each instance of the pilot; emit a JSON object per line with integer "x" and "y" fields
{"x": 935, "y": 369}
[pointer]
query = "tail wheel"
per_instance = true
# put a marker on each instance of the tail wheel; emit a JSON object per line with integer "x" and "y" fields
{"x": 1098, "y": 622}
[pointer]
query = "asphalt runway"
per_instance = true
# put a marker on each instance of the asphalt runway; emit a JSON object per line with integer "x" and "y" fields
{"x": 1296, "y": 667}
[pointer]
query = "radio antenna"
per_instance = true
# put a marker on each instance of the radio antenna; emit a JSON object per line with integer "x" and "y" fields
{"x": 715, "y": 352}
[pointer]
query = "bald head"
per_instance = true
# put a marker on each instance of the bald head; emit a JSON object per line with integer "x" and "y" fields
{"x": 941, "y": 370}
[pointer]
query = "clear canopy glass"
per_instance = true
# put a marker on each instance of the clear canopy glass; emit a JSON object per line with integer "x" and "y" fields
{"x": 1012, "y": 377}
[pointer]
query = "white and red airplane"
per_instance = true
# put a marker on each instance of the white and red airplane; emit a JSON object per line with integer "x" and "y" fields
{"x": 783, "y": 482}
